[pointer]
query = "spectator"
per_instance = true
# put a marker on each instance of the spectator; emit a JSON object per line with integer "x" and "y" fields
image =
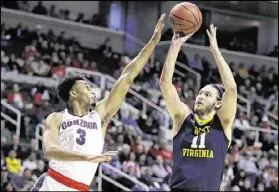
{"x": 13, "y": 64}
{"x": 132, "y": 121}
{"x": 165, "y": 153}
{"x": 40, "y": 95}
{"x": 29, "y": 53}
{"x": 4, "y": 176}
{"x": 260, "y": 187}
{"x": 61, "y": 38}
{"x": 52, "y": 11}
{"x": 16, "y": 33}
{"x": 131, "y": 166}
{"x": 247, "y": 185}
{"x": 124, "y": 154}
{"x": 139, "y": 151}
{"x": 40, "y": 169}
{"x": 80, "y": 18}
{"x": 30, "y": 163}
{"x": 6, "y": 135}
{"x": 25, "y": 182}
{"x": 14, "y": 146}
{"x": 196, "y": 63}
{"x": 96, "y": 20}
{"x": 106, "y": 46}
{"x": 13, "y": 164}
{"x": 239, "y": 125}
{"x": 40, "y": 9}
{"x": 3, "y": 88}
{"x": 158, "y": 169}
{"x": 142, "y": 162}
{"x": 274, "y": 53}
{"x": 182, "y": 58}
{"x": 248, "y": 165}
{"x": 58, "y": 71}
{"x": 154, "y": 151}
{"x": 268, "y": 144}
{"x": 154, "y": 82}
{"x": 119, "y": 142}
{"x": 32, "y": 149}
{"x": 147, "y": 177}
{"x": 149, "y": 125}
{"x": 24, "y": 6}
{"x": 8, "y": 186}
{"x": 67, "y": 14}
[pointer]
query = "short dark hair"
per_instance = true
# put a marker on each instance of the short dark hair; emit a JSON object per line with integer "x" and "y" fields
{"x": 221, "y": 90}
{"x": 65, "y": 85}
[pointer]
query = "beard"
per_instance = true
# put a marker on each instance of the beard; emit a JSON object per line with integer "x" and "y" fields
{"x": 205, "y": 109}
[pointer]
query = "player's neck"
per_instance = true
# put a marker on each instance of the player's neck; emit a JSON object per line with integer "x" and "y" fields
{"x": 206, "y": 116}
{"x": 78, "y": 109}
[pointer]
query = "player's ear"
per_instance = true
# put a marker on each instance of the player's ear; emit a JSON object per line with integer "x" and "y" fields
{"x": 73, "y": 94}
{"x": 218, "y": 105}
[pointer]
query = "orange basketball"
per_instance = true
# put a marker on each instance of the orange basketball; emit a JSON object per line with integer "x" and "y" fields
{"x": 185, "y": 17}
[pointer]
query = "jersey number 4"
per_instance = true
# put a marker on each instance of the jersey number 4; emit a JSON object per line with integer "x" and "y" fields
{"x": 202, "y": 141}
{"x": 81, "y": 139}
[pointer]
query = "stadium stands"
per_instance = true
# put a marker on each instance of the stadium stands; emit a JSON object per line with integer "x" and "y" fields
{"x": 252, "y": 161}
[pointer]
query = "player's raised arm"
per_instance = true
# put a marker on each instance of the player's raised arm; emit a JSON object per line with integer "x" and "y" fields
{"x": 109, "y": 106}
{"x": 176, "y": 108}
{"x": 229, "y": 101}
{"x": 53, "y": 151}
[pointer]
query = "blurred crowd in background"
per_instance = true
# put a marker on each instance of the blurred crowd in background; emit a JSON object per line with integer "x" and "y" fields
{"x": 249, "y": 166}
{"x": 239, "y": 41}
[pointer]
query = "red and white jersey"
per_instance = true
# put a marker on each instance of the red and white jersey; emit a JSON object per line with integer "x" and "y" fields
{"x": 84, "y": 135}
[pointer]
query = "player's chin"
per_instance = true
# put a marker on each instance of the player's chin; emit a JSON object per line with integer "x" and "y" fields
{"x": 199, "y": 110}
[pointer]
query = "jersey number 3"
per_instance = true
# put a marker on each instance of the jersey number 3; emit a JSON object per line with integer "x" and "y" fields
{"x": 81, "y": 139}
{"x": 202, "y": 141}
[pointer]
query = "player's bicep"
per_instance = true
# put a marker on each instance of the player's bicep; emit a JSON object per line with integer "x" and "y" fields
{"x": 109, "y": 106}
{"x": 50, "y": 136}
{"x": 228, "y": 109}
{"x": 176, "y": 108}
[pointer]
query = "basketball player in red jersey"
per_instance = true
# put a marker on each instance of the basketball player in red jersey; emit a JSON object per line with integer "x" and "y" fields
{"x": 73, "y": 140}
{"x": 200, "y": 138}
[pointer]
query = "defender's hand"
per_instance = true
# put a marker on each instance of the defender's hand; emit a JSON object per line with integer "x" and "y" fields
{"x": 158, "y": 29}
{"x": 212, "y": 38}
{"x": 179, "y": 38}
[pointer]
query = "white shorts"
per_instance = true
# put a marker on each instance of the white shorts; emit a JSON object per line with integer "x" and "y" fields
{"x": 46, "y": 183}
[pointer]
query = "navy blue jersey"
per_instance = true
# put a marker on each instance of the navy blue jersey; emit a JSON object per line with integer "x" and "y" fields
{"x": 199, "y": 152}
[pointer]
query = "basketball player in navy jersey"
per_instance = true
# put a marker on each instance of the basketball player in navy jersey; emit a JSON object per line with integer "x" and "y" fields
{"x": 73, "y": 139}
{"x": 200, "y": 138}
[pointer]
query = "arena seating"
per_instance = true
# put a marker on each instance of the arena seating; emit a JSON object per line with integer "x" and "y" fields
{"x": 248, "y": 167}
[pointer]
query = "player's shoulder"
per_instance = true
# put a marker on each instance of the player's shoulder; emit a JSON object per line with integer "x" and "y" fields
{"x": 55, "y": 117}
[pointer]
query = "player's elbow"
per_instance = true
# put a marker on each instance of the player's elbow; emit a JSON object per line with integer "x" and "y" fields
{"x": 163, "y": 83}
{"x": 127, "y": 77}
{"x": 50, "y": 151}
{"x": 232, "y": 88}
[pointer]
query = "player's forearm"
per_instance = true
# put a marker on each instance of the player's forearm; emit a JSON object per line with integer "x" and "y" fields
{"x": 169, "y": 66}
{"x": 225, "y": 71}
{"x": 60, "y": 154}
{"x": 137, "y": 64}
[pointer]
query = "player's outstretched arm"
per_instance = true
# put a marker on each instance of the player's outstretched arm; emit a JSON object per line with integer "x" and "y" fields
{"x": 229, "y": 101}
{"x": 109, "y": 106}
{"x": 53, "y": 151}
{"x": 178, "y": 110}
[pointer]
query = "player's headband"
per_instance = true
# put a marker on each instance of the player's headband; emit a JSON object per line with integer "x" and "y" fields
{"x": 220, "y": 88}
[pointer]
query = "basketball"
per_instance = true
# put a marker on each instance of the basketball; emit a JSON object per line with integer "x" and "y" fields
{"x": 185, "y": 17}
